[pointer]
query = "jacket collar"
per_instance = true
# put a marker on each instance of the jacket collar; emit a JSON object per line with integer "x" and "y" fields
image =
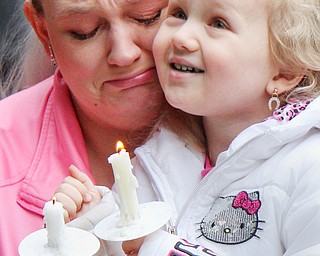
{"x": 263, "y": 139}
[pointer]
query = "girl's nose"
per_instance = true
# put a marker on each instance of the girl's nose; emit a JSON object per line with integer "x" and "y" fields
{"x": 185, "y": 38}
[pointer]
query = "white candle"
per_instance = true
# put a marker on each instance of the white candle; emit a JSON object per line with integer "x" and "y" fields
{"x": 126, "y": 184}
{"x": 54, "y": 222}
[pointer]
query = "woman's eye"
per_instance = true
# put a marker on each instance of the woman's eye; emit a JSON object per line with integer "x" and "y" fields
{"x": 82, "y": 37}
{"x": 218, "y": 23}
{"x": 151, "y": 20}
{"x": 179, "y": 14}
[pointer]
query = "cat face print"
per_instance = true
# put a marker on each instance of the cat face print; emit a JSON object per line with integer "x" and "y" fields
{"x": 232, "y": 219}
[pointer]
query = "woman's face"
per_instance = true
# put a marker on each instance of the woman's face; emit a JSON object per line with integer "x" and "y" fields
{"x": 104, "y": 51}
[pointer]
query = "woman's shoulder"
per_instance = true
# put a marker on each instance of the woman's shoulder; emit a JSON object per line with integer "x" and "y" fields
{"x": 21, "y": 121}
{"x": 30, "y": 95}
{"x": 26, "y": 104}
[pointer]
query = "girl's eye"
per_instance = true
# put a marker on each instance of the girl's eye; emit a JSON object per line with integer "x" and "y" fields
{"x": 218, "y": 23}
{"x": 179, "y": 14}
{"x": 85, "y": 36}
{"x": 151, "y": 20}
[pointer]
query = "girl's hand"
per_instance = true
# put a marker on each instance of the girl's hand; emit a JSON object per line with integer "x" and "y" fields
{"x": 132, "y": 247}
{"x": 77, "y": 193}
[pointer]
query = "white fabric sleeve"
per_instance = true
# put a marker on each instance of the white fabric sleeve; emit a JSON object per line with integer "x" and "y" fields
{"x": 162, "y": 243}
{"x": 91, "y": 218}
{"x": 158, "y": 243}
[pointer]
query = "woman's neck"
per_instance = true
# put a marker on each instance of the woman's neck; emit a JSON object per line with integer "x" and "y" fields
{"x": 101, "y": 140}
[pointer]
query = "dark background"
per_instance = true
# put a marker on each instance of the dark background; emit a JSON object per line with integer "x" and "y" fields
{"x": 9, "y": 9}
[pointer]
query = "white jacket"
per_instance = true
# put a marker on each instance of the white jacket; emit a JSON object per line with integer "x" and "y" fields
{"x": 261, "y": 198}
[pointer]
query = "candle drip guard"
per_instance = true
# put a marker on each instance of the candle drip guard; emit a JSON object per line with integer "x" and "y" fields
{"x": 153, "y": 216}
{"x": 78, "y": 243}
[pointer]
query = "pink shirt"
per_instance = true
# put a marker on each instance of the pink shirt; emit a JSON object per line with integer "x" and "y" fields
{"x": 40, "y": 138}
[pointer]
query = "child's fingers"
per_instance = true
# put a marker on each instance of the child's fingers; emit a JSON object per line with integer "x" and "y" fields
{"x": 76, "y": 193}
{"x": 92, "y": 194}
{"x": 72, "y": 192}
{"x": 83, "y": 190}
{"x": 68, "y": 204}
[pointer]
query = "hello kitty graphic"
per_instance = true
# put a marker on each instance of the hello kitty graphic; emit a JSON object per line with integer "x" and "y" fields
{"x": 232, "y": 219}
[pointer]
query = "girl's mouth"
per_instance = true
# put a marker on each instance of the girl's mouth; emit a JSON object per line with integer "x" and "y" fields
{"x": 183, "y": 68}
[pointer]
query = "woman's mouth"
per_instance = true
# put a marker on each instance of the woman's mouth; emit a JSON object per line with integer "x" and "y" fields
{"x": 135, "y": 79}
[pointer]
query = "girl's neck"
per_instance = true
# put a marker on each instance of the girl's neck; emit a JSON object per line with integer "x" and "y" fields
{"x": 220, "y": 133}
{"x": 218, "y": 137}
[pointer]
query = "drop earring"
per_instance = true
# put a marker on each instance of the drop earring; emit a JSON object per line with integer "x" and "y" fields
{"x": 52, "y": 58}
{"x": 274, "y": 100}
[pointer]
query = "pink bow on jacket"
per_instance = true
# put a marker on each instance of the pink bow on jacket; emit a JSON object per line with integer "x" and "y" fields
{"x": 243, "y": 201}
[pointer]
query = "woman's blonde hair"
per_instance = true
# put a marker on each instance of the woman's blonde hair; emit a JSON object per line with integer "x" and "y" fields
{"x": 294, "y": 30}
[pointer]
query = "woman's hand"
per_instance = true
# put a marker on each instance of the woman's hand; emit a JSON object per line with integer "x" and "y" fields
{"x": 77, "y": 193}
{"x": 132, "y": 247}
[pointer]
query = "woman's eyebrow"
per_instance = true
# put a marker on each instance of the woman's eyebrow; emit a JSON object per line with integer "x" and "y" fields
{"x": 76, "y": 9}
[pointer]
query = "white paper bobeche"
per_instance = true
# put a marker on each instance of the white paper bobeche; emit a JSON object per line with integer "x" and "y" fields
{"x": 153, "y": 216}
{"x": 56, "y": 239}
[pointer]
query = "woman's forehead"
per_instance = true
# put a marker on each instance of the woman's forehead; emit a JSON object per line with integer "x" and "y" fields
{"x": 98, "y": 2}
{"x": 82, "y": 6}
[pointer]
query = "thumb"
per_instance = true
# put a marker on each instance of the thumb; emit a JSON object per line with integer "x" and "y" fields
{"x": 81, "y": 176}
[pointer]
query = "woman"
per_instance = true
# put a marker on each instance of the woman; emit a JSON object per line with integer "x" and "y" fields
{"x": 105, "y": 89}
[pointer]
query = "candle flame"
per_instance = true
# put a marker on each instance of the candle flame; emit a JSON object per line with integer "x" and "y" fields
{"x": 54, "y": 200}
{"x": 119, "y": 146}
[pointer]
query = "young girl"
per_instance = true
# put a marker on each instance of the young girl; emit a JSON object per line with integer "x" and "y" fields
{"x": 105, "y": 88}
{"x": 252, "y": 71}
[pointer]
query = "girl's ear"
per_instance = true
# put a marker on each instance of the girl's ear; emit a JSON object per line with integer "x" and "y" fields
{"x": 283, "y": 83}
{"x": 38, "y": 23}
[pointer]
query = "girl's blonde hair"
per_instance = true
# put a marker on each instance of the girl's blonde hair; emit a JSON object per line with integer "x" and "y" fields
{"x": 294, "y": 30}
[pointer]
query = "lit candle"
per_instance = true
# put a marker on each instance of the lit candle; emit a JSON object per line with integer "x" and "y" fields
{"x": 54, "y": 223}
{"x": 126, "y": 184}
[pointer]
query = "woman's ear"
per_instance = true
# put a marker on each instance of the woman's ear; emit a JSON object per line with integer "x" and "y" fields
{"x": 38, "y": 24}
{"x": 283, "y": 83}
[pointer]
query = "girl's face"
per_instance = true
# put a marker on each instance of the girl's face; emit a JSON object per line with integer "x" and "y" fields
{"x": 104, "y": 51}
{"x": 213, "y": 58}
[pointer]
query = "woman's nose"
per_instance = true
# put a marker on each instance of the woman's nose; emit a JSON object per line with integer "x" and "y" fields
{"x": 124, "y": 49}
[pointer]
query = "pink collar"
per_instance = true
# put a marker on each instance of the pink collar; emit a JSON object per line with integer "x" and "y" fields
{"x": 207, "y": 167}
